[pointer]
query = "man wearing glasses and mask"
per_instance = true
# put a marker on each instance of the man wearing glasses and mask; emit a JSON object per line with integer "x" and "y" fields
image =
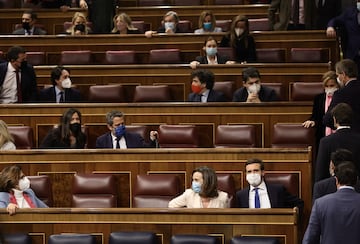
{"x": 29, "y": 19}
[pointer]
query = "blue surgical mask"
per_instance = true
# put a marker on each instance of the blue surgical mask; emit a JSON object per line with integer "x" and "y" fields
{"x": 169, "y": 25}
{"x": 207, "y": 25}
{"x": 120, "y": 131}
{"x": 196, "y": 187}
{"x": 211, "y": 51}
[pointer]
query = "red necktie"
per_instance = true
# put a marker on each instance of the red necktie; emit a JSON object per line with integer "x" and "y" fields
{"x": 18, "y": 87}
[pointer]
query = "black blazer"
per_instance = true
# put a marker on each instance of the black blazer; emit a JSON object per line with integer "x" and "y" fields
{"x": 349, "y": 94}
{"x": 245, "y": 49}
{"x": 323, "y": 14}
{"x": 318, "y": 111}
{"x": 220, "y": 59}
{"x": 133, "y": 140}
{"x": 214, "y": 96}
{"x": 53, "y": 141}
{"x": 327, "y": 186}
{"x": 266, "y": 94}
{"x": 344, "y": 138}
{"x": 279, "y": 198}
{"x": 48, "y": 95}
{"x": 28, "y": 82}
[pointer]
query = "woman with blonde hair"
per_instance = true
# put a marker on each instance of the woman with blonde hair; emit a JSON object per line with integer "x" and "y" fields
{"x": 79, "y": 26}
{"x": 6, "y": 139}
{"x": 123, "y": 25}
{"x": 207, "y": 23}
{"x": 240, "y": 40}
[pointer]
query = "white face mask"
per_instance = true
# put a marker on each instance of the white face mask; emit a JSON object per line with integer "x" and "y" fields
{"x": 24, "y": 184}
{"x": 254, "y": 88}
{"x": 253, "y": 179}
{"x": 358, "y": 5}
{"x": 330, "y": 90}
{"x": 66, "y": 83}
{"x": 239, "y": 31}
{"x": 169, "y": 25}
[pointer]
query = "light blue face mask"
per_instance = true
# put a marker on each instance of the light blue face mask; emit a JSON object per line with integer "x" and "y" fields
{"x": 196, "y": 187}
{"x": 207, "y": 25}
{"x": 211, "y": 51}
{"x": 169, "y": 25}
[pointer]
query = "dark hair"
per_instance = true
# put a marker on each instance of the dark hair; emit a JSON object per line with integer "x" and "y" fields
{"x": 210, "y": 38}
{"x": 341, "y": 155}
{"x": 209, "y": 186}
{"x": 64, "y": 128}
{"x": 343, "y": 114}
{"x": 9, "y": 177}
{"x": 56, "y": 73}
{"x": 255, "y": 161}
{"x": 111, "y": 115}
{"x": 348, "y": 67}
{"x": 32, "y": 14}
{"x": 205, "y": 76}
{"x": 346, "y": 173}
{"x": 250, "y": 72}
{"x": 13, "y": 53}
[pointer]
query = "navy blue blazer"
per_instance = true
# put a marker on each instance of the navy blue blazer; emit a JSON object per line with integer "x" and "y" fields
{"x": 266, "y": 94}
{"x": 220, "y": 59}
{"x": 344, "y": 138}
{"x": 278, "y": 195}
{"x": 335, "y": 218}
{"x": 214, "y": 96}
{"x": 133, "y": 140}
{"x": 327, "y": 186}
{"x": 349, "y": 94}
{"x": 48, "y": 95}
{"x": 28, "y": 82}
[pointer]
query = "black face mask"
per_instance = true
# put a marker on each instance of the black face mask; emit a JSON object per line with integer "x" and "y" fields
{"x": 23, "y": 64}
{"x": 75, "y": 128}
{"x": 26, "y": 25}
{"x": 80, "y": 27}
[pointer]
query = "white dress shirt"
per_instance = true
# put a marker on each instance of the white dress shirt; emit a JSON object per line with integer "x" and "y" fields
{"x": 263, "y": 195}
{"x": 122, "y": 142}
{"x": 8, "y": 93}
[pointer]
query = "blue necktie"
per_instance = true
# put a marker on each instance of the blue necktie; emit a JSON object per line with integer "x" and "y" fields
{"x": 257, "y": 198}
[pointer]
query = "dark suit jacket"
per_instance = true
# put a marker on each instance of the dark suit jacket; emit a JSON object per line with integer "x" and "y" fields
{"x": 344, "y": 138}
{"x": 214, "y": 96}
{"x": 349, "y": 94}
{"x": 278, "y": 195}
{"x": 48, "y": 95}
{"x": 327, "y": 186}
{"x": 335, "y": 218}
{"x": 318, "y": 111}
{"x": 37, "y": 31}
{"x": 266, "y": 94}
{"x": 220, "y": 59}
{"x": 348, "y": 20}
{"x": 55, "y": 3}
{"x": 245, "y": 49}
{"x": 133, "y": 140}
{"x": 28, "y": 82}
{"x": 324, "y": 13}
{"x": 53, "y": 141}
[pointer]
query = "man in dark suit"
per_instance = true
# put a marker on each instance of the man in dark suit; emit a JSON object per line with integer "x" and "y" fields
{"x": 202, "y": 85}
{"x": 252, "y": 90}
{"x": 259, "y": 194}
{"x": 118, "y": 137}
{"x": 335, "y": 218}
{"x": 328, "y": 185}
{"x": 325, "y": 10}
{"x": 349, "y": 30}
{"x": 60, "y": 91}
{"x": 344, "y": 137}
{"x": 347, "y": 72}
{"x": 29, "y": 19}
{"x": 17, "y": 78}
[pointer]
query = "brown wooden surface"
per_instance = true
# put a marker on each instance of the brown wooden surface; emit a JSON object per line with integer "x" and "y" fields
{"x": 177, "y": 77}
{"x": 221, "y": 223}
{"x": 206, "y": 117}
{"x": 189, "y": 44}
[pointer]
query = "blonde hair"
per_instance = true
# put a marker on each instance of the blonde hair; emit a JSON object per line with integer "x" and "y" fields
{"x": 202, "y": 17}
{"x": 123, "y": 18}
{"x": 5, "y": 135}
{"x": 329, "y": 75}
{"x": 78, "y": 15}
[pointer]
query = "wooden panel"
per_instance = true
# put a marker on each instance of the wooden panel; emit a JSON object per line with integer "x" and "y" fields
{"x": 221, "y": 223}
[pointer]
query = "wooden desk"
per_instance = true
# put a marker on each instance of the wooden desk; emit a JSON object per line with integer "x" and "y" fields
{"x": 206, "y": 117}
{"x": 177, "y": 76}
{"x": 221, "y": 223}
{"x": 189, "y": 44}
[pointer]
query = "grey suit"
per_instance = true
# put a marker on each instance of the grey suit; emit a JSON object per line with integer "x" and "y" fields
{"x": 36, "y": 31}
{"x": 334, "y": 219}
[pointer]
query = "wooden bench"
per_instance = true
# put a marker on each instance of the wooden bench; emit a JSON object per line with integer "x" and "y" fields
{"x": 223, "y": 224}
